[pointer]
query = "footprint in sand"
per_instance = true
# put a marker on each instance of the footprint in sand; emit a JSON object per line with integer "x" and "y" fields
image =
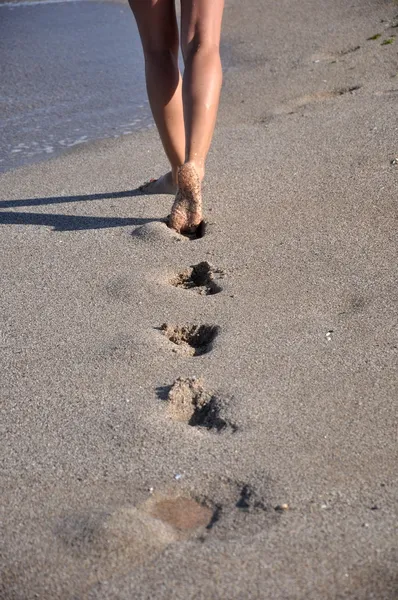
{"x": 158, "y": 232}
{"x": 225, "y": 506}
{"x": 294, "y": 105}
{"x": 114, "y": 541}
{"x": 199, "y": 233}
{"x": 183, "y": 513}
{"x": 333, "y": 57}
{"x": 191, "y": 340}
{"x": 87, "y": 547}
{"x": 235, "y": 502}
{"x": 201, "y": 278}
{"x": 101, "y": 545}
{"x": 189, "y": 402}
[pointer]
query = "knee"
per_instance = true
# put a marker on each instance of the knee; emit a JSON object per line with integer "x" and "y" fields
{"x": 202, "y": 47}
{"x": 161, "y": 53}
{"x": 161, "y": 48}
{"x": 160, "y": 56}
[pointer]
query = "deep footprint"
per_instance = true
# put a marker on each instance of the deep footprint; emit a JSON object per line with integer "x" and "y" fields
{"x": 200, "y": 278}
{"x": 194, "y": 340}
{"x": 199, "y": 232}
{"x": 189, "y": 402}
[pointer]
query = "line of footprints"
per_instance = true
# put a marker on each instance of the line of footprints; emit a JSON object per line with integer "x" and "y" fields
{"x": 187, "y": 399}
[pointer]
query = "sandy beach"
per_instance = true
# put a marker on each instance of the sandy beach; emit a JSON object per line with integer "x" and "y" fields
{"x": 214, "y": 418}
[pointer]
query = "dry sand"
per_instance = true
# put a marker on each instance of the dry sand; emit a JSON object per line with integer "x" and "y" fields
{"x": 110, "y": 490}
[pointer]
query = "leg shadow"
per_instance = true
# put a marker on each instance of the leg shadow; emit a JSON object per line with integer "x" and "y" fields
{"x": 68, "y": 222}
{"x": 65, "y": 199}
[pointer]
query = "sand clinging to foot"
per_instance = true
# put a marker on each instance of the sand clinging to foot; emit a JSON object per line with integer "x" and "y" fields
{"x": 186, "y": 212}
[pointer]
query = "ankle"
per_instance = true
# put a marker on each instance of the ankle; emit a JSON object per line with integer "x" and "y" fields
{"x": 199, "y": 168}
{"x": 174, "y": 174}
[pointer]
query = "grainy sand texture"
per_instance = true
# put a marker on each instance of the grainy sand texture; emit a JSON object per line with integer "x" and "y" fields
{"x": 214, "y": 417}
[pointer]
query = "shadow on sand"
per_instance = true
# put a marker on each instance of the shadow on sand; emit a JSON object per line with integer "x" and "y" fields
{"x": 61, "y": 222}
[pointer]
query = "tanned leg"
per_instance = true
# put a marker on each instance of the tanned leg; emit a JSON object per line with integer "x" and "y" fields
{"x": 200, "y": 42}
{"x": 157, "y": 25}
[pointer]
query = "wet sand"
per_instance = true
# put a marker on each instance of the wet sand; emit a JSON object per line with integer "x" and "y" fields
{"x": 71, "y": 73}
{"x": 161, "y": 441}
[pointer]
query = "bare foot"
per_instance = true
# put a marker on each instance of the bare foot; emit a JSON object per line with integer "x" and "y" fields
{"x": 163, "y": 185}
{"x": 186, "y": 212}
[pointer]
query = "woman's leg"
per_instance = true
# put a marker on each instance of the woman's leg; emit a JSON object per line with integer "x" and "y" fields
{"x": 157, "y": 25}
{"x": 200, "y": 42}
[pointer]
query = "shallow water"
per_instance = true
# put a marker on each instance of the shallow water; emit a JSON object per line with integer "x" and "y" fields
{"x": 70, "y": 72}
